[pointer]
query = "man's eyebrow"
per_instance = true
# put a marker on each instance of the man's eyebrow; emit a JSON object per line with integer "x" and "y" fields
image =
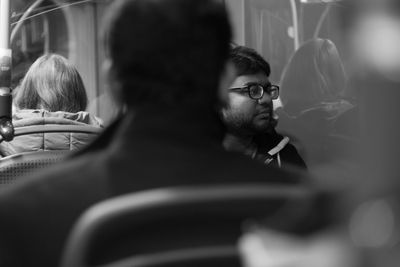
{"x": 250, "y": 83}
{"x": 263, "y": 84}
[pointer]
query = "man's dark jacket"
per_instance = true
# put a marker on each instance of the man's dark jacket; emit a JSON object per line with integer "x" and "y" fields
{"x": 152, "y": 148}
{"x": 289, "y": 154}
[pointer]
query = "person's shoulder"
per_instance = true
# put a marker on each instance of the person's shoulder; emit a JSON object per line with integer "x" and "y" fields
{"x": 292, "y": 156}
{"x": 250, "y": 170}
{"x": 291, "y": 173}
{"x": 28, "y": 117}
{"x": 288, "y": 151}
{"x": 81, "y": 116}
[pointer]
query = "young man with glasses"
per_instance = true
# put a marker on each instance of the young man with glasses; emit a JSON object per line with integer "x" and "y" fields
{"x": 249, "y": 114}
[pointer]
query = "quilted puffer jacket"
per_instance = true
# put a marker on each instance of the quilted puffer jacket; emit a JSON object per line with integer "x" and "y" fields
{"x": 49, "y": 141}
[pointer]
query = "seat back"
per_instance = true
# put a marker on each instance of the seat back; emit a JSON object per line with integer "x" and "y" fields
{"x": 180, "y": 226}
{"x": 19, "y": 165}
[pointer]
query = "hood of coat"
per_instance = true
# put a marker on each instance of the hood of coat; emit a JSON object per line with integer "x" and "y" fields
{"x": 27, "y": 117}
{"x": 49, "y": 141}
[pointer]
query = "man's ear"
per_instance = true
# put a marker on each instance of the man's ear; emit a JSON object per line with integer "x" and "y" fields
{"x": 227, "y": 77}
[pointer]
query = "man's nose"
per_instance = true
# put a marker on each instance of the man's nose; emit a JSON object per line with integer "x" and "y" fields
{"x": 265, "y": 100}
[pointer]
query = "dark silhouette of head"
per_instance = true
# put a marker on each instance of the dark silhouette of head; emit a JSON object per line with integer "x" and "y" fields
{"x": 168, "y": 52}
{"x": 314, "y": 75}
{"x": 53, "y": 84}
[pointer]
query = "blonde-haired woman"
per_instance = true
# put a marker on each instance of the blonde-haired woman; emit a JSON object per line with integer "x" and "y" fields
{"x": 51, "y": 93}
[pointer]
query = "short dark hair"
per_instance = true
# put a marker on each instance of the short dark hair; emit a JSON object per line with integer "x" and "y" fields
{"x": 168, "y": 51}
{"x": 53, "y": 84}
{"x": 247, "y": 61}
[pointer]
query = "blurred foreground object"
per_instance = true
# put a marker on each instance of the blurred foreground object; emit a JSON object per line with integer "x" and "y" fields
{"x": 200, "y": 225}
{"x": 264, "y": 248}
{"x": 372, "y": 31}
{"x": 6, "y": 127}
{"x": 368, "y": 235}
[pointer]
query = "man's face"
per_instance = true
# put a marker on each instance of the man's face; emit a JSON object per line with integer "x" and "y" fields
{"x": 245, "y": 115}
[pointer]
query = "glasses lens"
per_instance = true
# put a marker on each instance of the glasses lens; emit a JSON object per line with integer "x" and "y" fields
{"x": 256, "y": 91}
{"x": 274, "y": 91}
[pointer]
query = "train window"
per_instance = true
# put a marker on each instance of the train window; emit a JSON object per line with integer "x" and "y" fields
{"x": 277, "y": 28}
{"x": 37, "y": 27}
{"x": 70, "y": 28}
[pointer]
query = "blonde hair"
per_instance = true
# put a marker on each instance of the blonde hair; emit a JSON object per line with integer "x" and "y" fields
{"x": 53, "y": 84}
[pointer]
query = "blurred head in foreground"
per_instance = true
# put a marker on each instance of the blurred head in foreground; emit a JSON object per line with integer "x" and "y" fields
{"x": 168, "y": 52}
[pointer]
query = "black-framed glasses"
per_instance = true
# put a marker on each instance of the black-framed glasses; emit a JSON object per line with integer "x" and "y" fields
{"x": 256, "y": 91}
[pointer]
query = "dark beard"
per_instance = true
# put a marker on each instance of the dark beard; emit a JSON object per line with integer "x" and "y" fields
{"x": 241, "y": 125}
